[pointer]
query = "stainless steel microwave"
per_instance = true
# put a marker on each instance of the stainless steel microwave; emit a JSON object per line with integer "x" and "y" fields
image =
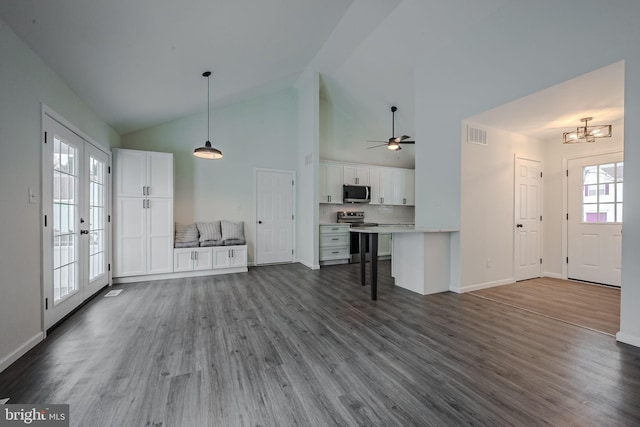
{"x": 356, "y": 194}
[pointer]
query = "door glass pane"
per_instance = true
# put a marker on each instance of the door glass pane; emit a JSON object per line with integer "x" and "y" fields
{"x": 97, "y": 206}
{"x": 65, "y": 208}
{"x": 602, "y": 193}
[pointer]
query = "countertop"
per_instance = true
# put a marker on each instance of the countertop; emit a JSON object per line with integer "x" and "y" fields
{"x": 402, "y": 229}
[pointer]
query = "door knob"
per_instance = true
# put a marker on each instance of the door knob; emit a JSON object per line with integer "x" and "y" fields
{"x": 259, "y": 222}
{"x": 84, "y": 231}
{"x": 519, "y": 225}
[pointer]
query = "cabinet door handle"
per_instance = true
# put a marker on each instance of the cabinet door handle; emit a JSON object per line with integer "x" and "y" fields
{"x": 335, "y": 252}
{"x": 335, "y": 238}
{"x": 381, "y": 199}
{"x": 328, "y": 198}
{"x": 357, "y": 180}
{"x": 404, "y": 201}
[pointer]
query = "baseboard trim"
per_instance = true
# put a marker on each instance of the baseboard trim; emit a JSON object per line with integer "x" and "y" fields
{"x": 309, "y": 265}
{"x": 146, "y": 278}
{"x": 6, "y": 361}
{"x": 628, "y": 339}
{"x": 471, "y": 288}
{"x": 552, "y": 275}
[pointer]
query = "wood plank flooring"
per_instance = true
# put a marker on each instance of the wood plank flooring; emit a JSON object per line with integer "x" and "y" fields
{"x": 285, "y": 346}
{"x": 582, "y": 304}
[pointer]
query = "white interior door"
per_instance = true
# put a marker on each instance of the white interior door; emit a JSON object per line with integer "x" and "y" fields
{"x": 274, "y": 216}
{"x": 528, "y": 219}
{"x": 75, "y": 233}
{"x": 594, "y": 241}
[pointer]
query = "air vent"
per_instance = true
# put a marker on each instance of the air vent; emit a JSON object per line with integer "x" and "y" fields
{"x": 476, "y": 136}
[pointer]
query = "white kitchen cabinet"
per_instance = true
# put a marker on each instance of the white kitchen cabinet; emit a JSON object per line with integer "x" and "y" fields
{"x": 334, "y": 244}
{"x": 192, "y": 259}
{"x": 356, "y": 175}
{"x": 381, "y": 185}
{"x": 143, "y": 223}
{"x": 330, "y": 180}
{"x": 143, "y": 173}
{"x": 403, "y": 187}
{"x": 384, "y": 244}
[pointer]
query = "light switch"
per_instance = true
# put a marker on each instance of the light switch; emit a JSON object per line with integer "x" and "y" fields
{"x": 32, "y": 196}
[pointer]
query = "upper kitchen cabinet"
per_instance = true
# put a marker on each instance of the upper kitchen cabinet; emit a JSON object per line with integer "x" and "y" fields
{"x": 356, "y": 175}
{"x": 330, "y": 178}
{"x": 403, "y": 184}
{"x": 381, "y": 186}
{"x": 143, "y": 173}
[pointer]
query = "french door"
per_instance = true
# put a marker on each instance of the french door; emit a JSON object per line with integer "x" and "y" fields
{"x": 75, "y": 199}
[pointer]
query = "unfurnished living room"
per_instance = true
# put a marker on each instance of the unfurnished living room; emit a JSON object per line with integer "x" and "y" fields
{"x": 348, "y": 212}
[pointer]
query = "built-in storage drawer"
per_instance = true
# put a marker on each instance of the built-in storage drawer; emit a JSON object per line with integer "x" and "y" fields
{"x": 329, "y": 254}
{"x": 337, "y": 228}
{"x": 327, "y": 240}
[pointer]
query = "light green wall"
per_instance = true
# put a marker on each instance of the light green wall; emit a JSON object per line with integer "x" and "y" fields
{"x": 258, "y": 133}
{"x": 25, "y": 83}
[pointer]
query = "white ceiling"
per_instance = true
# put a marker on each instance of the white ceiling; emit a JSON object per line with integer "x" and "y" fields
{"x": 138, "y": 63}
{"x": 550, "y": 112}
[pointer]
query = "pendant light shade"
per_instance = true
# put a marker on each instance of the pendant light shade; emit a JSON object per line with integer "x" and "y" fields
{"x": 207, "y": 152}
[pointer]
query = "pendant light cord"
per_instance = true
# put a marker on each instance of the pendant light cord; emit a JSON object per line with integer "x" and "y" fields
{"x": 208, "y": 109}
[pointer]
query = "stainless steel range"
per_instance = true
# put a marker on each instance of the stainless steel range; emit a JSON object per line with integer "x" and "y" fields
{"x": 355, "y": 219}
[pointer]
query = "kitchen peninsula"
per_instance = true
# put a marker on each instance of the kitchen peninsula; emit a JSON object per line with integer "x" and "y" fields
{"x": 420, "y": 261}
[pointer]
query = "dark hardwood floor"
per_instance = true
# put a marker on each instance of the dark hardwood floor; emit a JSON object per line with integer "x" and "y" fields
{"x": 587, "y": 305}
{"x": 283, "y": 345}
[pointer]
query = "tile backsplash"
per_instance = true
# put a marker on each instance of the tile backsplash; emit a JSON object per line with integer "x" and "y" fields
{"x": 372, "y": 213}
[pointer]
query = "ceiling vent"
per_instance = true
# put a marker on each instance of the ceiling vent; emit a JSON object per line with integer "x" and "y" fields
{"x": 476, "y": 136}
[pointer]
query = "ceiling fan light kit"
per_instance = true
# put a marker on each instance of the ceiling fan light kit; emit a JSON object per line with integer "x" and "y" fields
{"x": 207, "y": 152}
{"x": 394, "y": 142}
{"x": 586, "y": 133}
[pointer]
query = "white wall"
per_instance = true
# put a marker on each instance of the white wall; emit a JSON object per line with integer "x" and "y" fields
{"x": 25, "y": 83}
{"x": 520, "y": 49}
{"x": 257, "y": 133}
{"x": 487, "y": 206}
{"x": 308, "y": 130}
{"x": 554, "y": 153}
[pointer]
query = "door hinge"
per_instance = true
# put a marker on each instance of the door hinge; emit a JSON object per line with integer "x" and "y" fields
{"x": 45, "y": 220}
{"x": 45, "y": 137}
{"x": 109, "y": 169}
{"x": 540, "y": 217}
{"x": 567, "y": 260}
{"x": 108, "y": 218}
{"x": 567, "y": 217}
{"x": 292, "y": 182}
{"x": 46, "y": 303}
{"x": 109, "y": 267}
{"x": 567, "y": 172}
{"x": 540, "y": 260}
{"x": 291, "y": 251}
{"x": 540, "y": 174}
{"x": 292, "y": 218}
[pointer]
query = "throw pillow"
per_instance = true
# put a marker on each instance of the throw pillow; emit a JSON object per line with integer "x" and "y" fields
{"x": 186, "y": 233}
{"x": 209, "y": 231}
{"x": 232, "y": 230}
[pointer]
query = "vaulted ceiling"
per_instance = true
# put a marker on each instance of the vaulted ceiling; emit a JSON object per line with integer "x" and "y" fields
{"x": 138, "y": 63}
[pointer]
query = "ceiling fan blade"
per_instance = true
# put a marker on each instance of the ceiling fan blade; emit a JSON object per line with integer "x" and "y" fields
{"x": 403, "y": 137}
{"x": 376, "y": 146}
{"x": 407, "y": 142}
{"x": 375, "y": 140}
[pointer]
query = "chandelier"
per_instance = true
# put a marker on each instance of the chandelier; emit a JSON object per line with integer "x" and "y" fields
{"x": 586, "y": 133}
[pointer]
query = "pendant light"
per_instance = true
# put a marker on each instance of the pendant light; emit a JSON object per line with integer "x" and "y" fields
{"x": 207, "y": 152}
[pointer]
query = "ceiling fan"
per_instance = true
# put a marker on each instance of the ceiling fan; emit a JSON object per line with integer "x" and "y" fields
{"x": 394, "y": 142}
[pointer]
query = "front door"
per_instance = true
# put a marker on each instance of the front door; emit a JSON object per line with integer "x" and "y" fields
{"x": 274, "y": 216}
{"x": 528, "y": 197}
{"x": 75, "y": 232}
{"x": 594, "y": 242}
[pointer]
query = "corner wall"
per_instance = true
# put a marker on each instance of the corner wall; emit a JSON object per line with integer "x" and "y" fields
{"x": 25, "y": 83}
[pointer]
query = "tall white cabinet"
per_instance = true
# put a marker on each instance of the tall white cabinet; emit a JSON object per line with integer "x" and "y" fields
{"x": 143, "y": 224}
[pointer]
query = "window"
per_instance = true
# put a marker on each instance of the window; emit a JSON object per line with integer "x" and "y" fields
{"x": 602, "y": 193}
